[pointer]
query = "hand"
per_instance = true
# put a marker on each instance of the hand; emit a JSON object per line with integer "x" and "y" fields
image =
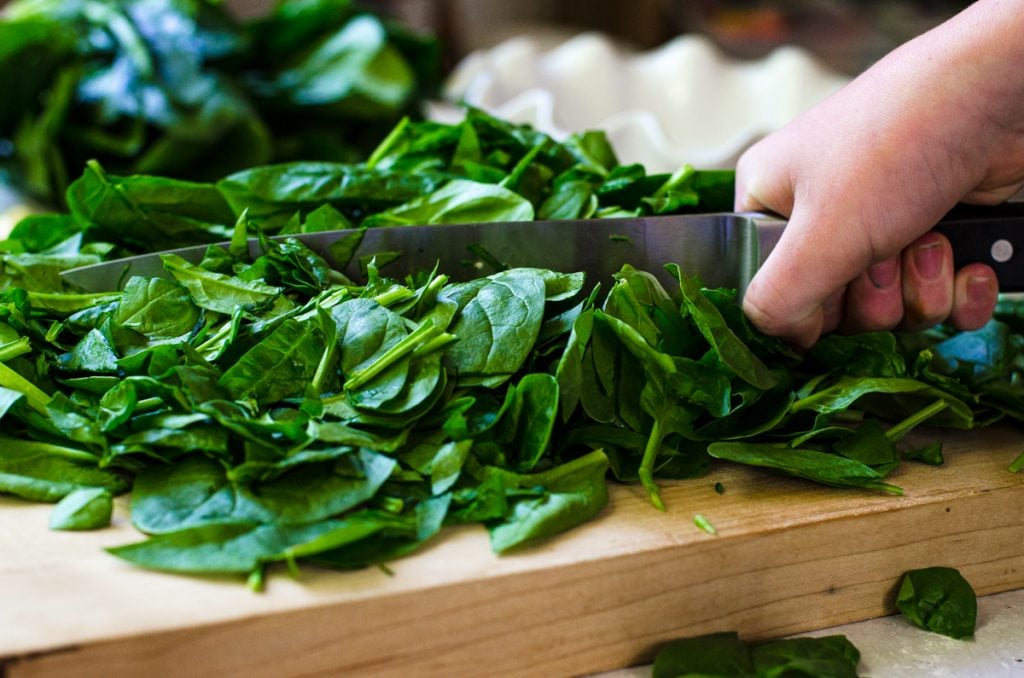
{"x": 865, "y": 175}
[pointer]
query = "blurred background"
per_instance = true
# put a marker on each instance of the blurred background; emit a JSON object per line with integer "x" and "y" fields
{"x": 845, "y": 35}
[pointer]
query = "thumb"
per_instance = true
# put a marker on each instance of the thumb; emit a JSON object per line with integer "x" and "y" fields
{"x": 813, "y": 261}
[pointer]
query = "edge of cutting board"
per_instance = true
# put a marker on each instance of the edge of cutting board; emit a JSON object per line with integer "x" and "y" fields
{"x": 789, "y": 557}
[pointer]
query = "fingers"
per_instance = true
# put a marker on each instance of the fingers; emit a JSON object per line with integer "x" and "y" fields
{"x": 975, "y": 292}
{"x": 919, "y": 289}
{"x": 874, "y": 300}
{"x": 927, "y": 282}
{"x": 798, "y": 293}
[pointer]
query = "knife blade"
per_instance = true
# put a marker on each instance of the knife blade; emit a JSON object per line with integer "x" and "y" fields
{"x": 725, "y": 249}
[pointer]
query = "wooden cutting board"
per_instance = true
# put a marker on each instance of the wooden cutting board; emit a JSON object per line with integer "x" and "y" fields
{"x": 789, "y": 557}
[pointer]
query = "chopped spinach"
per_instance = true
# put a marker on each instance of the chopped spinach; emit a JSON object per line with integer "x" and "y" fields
{"x": 263, "y": 407}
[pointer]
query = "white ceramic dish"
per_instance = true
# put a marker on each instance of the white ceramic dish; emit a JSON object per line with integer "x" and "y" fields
{"x": 683, "y": 102}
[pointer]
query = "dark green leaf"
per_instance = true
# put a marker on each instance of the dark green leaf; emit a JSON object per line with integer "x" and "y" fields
{"x": 828, "y": 469}
{"x": 939, "y": 599}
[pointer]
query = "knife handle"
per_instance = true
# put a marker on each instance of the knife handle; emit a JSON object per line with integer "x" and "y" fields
{"x": 992, "y": 235}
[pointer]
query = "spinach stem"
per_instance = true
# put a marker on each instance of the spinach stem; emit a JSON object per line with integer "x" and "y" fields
{"x": 37, "y": 399}
{"x": 390, "y": 141}
{"x": 646, "y": 471}
{"x": 703, "y": 523}
{"x": 438, "y": 342}
{"x": 257, "y": 578}
{"x": 15, "y": 349}
{"x": 1018, "y": 464}
{"x": 320, "y": 376}
{"x": 897, "y": 431}
{"x": 393, "y": 296}
{"x": 147, "y": 404}
{"x": 424, "y": 333}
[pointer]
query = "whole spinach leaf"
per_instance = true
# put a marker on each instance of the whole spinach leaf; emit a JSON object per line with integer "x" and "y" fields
{"x": 939, "y": 599}
{"x": 498, "y": 319}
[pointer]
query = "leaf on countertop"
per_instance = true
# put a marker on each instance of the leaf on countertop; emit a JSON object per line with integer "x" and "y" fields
{"x": 939, "y": 599}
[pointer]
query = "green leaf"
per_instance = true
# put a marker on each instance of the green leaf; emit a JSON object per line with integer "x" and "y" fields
{"x": 88, "y": 508}
{"x": 157, "y": 308}
{"x": 356, "y": 67}
{"x": 197, "y": 492}
{"x": 719, "y": 655}
{"x": 279, "y": 366}
{"x": 828, "y": 469}
{"x": 218, "y": 292}
{"x": 833, "y": 656}
{"x": 730, "y": 348}
{"x": 93, "y": 353}
{"x": 46, "y": 472}
{"x": 273, "y": 193}
{"x": 527, "y": 424}
{"x": 149, "y": 212}
{"x": 908, "y": 394}
{"x": 725, "y": 655}
{"x": 939, "y": 599}
{"x": 930, "y": 454}
{"x": 498, "y": 320}
{"x": 458, "y": 202}
{"x": 226, "y": 547}
{"x": 572, "y": 493}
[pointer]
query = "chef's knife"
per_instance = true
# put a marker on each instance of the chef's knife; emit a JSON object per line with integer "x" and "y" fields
{"x": 724, "y": 249}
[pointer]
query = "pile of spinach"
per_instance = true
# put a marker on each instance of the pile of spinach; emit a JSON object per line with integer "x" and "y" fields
{"x": 270, "y": 409}
{"x": 181, "y": 88}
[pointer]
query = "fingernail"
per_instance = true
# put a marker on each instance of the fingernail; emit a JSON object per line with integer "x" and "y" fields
{"x": 929, "y": 258}
{"x": 884, "y": 274}
{"x": 979, "y": 289}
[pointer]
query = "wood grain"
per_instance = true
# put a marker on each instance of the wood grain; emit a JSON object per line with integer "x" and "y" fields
{"x": 789, "y": 557}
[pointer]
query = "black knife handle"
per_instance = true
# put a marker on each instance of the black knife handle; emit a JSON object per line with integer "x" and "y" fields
{"x": 989, "y": 235}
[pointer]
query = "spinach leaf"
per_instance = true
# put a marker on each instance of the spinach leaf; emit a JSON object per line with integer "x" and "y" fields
{"x": 730, "y": 349}
{"x": 273, "y": 193}
{"x": 725, "y": 655}
{"x": 717, "y": 654}
{"x": 216, "y": 291}
{"x": 226, "y": 547}
{"x": 88, "y": 508}
{"x": 40, "y": 471}
{"x": 528, "y": 422}
{"x": 938, "y": 599}
{"x": 197, "y": 492}
{"x": 458, "y": 202}
{"x": 279, "y": 366}
{"x": 148, "y": 212}
{"x": 823, "y": 656}
{"x": 498, "y": 319}
{"x": 568, "y": 495}
{"x": 821, "y": 467}
{"x": 156, "y": 308}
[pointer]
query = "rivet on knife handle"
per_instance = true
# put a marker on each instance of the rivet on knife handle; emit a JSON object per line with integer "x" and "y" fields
{"x": 993, "y": 236}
